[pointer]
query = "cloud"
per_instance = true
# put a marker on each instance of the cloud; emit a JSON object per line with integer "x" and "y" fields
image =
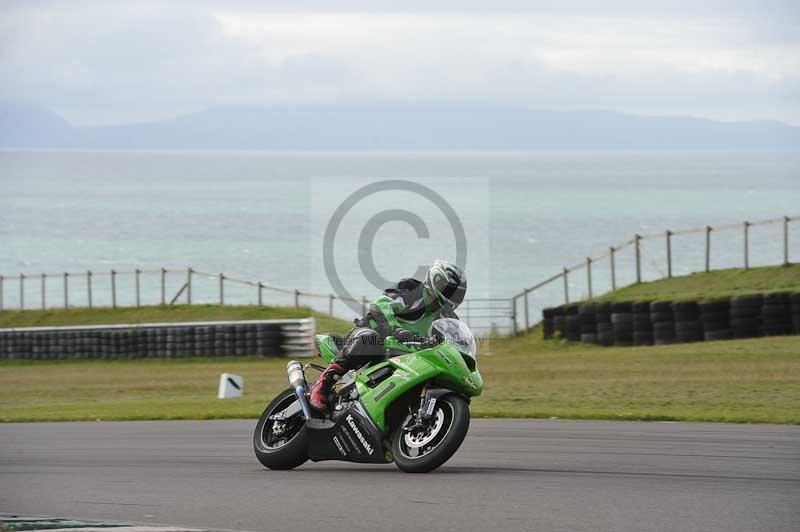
{"x": 100, "y": 62}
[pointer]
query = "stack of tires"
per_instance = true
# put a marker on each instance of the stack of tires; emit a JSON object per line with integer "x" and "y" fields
{"x": 559, "y": 322}
{"x": 776, "y": 315}
{"x": 622, "y": 320}
{"x": 573, "y": 323}
{"x": 795, "y": 299}
{"x": 642, "y": 326}
{"x": 588, "y": 320}
{"x": 605, "y": 329}
{"x": 661, "y": 322}
{"x": 268, "y": 337}
{"x": 715, "y": 316}
{"x": 688, "y": 327}
{"x": 547, "y": 322}
{"x": 745, "y": 316}
{"x": 663, "y": 319}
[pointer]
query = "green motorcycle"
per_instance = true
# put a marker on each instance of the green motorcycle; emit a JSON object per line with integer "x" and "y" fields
{"x": 411, "y": 408}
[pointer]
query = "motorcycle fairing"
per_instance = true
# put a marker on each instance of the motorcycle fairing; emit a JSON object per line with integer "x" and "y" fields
{"x": 351, "y": 437}
{"x": 326, "y": 347}
{"x": 442, "y": 365}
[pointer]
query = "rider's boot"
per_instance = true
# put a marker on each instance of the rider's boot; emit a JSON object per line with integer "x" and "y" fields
{"x": 322, "y": 388}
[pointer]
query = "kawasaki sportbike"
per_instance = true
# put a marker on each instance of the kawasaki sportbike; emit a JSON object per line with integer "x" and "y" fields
{"x": 412, "y": 408}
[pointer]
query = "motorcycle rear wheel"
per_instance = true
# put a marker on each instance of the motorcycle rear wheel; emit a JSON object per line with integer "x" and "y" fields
{"x": 421, "y": 451}
{"x": 273, "y": 451}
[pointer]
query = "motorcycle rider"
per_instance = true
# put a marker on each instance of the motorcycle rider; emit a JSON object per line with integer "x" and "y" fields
{"x": 405, "y": 311}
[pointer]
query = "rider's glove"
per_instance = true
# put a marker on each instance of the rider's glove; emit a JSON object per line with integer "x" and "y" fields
{"x": 404, "y": 335}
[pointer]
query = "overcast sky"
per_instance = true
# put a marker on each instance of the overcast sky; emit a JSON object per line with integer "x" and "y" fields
{"x": 108, "y": 62}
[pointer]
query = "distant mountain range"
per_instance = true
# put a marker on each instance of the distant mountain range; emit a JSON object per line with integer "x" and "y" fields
{"x": 394, "y": 127}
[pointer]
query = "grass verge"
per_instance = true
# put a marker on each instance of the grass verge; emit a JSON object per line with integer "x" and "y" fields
{"x": 163, "y": 314}
{"x": 716, "y": 284}
{"x": 756, "y": 380}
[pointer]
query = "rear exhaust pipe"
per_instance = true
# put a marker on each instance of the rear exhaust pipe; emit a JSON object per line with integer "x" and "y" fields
{"x": 297, "y": 380}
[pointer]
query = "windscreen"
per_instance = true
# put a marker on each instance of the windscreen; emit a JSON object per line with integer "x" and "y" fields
{"x": 458, "y": 333}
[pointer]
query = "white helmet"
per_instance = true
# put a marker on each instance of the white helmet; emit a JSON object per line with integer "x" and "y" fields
{"x": 446, "y": 284}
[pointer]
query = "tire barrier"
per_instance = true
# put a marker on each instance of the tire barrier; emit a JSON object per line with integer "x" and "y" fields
{"x": 559, "y": 322}
{"x": 664, "y": 322}
{"x": 547, "y": 322}
{"x": 642, "y": 326}
{"x": 588, "y": 320}
{"x": 605, "y": 329}
{"x": 776, "y": 317}
{"x": 715, "y": 317}
{"x": 663, "y": 319}
{"x": 745, "y": 316}
{"x": 622, "y": 321}
{"x": 795, "y": 306}
{"x": 688, "y": 327}
{"x": 573, "y": 323}
{"x": 294, "y": 337}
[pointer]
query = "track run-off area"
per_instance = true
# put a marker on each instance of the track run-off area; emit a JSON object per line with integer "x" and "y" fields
{"x": 544, "y": 475}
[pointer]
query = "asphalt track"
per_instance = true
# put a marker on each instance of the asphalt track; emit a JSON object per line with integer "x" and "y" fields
{"x": 509, "y": 475}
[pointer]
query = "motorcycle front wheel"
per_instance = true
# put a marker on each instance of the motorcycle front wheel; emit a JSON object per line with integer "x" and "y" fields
{"x": 281, "y": 444}
{"x": 423, "y": 448}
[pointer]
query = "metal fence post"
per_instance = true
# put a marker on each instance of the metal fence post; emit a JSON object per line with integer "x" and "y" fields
{"x": 708, "y": 248}
{"x": 566, "y": 285}
{"x": 785, "y": 240}
{"x": 611, "y": 251}
{"x": 1, "y": 292}
{"x": 330, "y": 304}
{"x": 66, "y": 290}
{"x": 188, "y": 286}
{"x": 22, "y": 291}
{"x": 514, "y": 315}
{"x": 221, "y": 289}
{"x": 89, "y": 287}
{"x": 44, "y": 291}
{"x": 296, "y": 298}
{"x": 138, "y": 274}
{"x": 113, "y": 289}
{"x": 363, "y": 306}
{"x": 746, "y": 228}
{"x": 163, "y": 286}
{"x": 527, "y": 322}
{"x": 636, "y": 240}
{"x": 589, "y": 275}
{"x": 260, "y": 289}
{"x": 669, "y": 253}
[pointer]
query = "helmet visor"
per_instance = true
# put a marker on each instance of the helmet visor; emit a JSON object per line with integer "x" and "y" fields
{"x": 449, "y": 294}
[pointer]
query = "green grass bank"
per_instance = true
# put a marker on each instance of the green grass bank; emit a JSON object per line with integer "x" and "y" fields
{"x": 162, "y": 314}
{"x": 747, "y": 381}
{"x": 717, "y": 284}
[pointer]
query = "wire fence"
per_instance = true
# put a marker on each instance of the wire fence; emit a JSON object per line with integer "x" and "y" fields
{"x": 632, "y": 261}
{"x": 138, "y": 287}
{"x": 631, "y": 253}
{"x": 174, "y": 286}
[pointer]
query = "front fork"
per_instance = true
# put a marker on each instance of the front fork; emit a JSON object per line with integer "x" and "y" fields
{"x": 427, "y": 406}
